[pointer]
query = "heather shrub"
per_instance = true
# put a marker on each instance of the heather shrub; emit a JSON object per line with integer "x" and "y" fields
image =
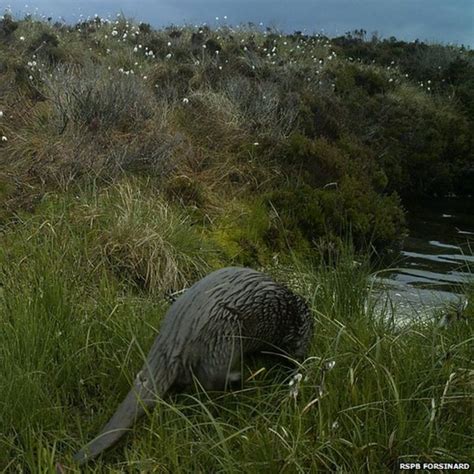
{"x": 426, "y": 145}
{"x": 7, "y": 27}
{"x": 172, "y": 81}
{"x": 323, "y": 114}
{"x": 348, "y": 208}
{"x": 46, "y": 47}
{"x": 263, "y": 108}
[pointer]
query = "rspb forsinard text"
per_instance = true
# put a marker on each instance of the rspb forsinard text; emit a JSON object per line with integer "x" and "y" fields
{"x": 434, "y": 466}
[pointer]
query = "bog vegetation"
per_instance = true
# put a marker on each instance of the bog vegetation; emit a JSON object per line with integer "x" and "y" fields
{"x": 134, "y": 161}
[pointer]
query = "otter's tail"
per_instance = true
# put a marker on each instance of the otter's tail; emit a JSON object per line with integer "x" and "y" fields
{"x": 142, "y": 396}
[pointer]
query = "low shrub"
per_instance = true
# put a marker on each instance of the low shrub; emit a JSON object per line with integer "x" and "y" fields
{"x": 83, "y": 96}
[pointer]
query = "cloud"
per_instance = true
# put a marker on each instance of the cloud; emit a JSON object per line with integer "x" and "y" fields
{"x": 433, "y": 20}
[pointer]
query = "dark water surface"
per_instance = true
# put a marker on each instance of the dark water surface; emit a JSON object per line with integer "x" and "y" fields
{"x": 436, "y": 260}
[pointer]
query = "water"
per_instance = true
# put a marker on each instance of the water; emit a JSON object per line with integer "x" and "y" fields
{"x": 435, "y": 262}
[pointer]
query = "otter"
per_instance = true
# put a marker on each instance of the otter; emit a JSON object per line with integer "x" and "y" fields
{"x": 204, "y": 336}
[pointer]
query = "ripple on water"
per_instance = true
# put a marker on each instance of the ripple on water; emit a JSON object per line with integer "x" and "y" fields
{"x": 436, "y": 261}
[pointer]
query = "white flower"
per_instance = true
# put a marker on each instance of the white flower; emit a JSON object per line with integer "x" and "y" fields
{"x": 1, "y": 113}
{"x": 114, "y": 32}
{"x": 169, "y": 43}
{"x": 295, "y": 379}
{"x": 168, "y": 56}
{"x": 135, "y": 49}
{"x": 256, "y": 144}
{"x": 22, "y": 38}
{"x": 294, "y": 385}
{"x": 4, "y": 138}
{"x": 329, "y": 365}
{"x": 185, "y": 100}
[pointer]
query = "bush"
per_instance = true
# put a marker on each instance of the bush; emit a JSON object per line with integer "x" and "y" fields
{"x": 83, "y": 96}
{"x": 263, "y": 109}
{"x": 7, "y": 27}
{"x": 46, "y": 46}
{"x": 349, "y": 209}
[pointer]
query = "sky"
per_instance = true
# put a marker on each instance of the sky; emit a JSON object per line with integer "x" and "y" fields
{"x": 442, "y": 21}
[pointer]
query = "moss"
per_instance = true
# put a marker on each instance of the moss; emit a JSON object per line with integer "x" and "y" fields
{"x": 242, "y": 233}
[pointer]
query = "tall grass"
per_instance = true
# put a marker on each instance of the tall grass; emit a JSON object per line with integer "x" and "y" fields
{"x": 82, "y": 95}
{"x": 74, "y": 332}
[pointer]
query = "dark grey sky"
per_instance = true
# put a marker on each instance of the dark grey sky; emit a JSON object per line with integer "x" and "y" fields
{"x": 442, "y": 21}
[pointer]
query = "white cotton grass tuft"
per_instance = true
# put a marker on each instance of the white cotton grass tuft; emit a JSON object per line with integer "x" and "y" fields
{"x": 294, "y": 385}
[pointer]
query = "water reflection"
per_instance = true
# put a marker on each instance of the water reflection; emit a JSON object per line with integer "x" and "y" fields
{"x": 436, "y": 260}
